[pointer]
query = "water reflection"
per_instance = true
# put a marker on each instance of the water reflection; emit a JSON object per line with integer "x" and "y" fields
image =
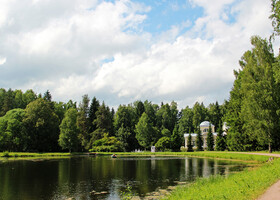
{"x": 80, "y": 177}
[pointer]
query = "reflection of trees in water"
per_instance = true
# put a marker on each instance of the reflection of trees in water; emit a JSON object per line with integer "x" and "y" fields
{"x": 198, "y": 167}
{"x": 77, "y": 177}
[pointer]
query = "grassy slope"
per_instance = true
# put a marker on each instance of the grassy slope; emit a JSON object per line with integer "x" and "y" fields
{"x": 212, "y": 154}
{"x": 23, "y": 154}
{"x": 248, "y": 184}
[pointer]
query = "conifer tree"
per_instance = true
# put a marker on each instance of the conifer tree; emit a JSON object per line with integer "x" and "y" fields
{"x": 210, "y": 139}
{"x": 190, "y": 146}
{"x": 199, "y": 141}
{"x": 176, "y": 139}
{"x": 92, "y": 113}
{"x": 220, "y": 140}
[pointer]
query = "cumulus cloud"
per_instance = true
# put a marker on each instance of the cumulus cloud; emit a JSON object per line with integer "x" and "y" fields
{"x": 99, "y": 48}
{"x": 2, "y": 60}
{"x": 197, "y": 65}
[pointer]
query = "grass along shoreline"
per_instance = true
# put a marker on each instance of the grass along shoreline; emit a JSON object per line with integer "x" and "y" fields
{"x": 31, "y": 155}
{"x": 201, "y": 154}
{"x": 207, "y": 154}
{"x": 248, "y": 184}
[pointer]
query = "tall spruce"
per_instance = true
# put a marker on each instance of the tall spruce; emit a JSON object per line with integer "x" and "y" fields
{"x": 220, "y": 140}
{"x": 199, "y": 141}
{"x": 92, "y": 113}
{"x": 176, "y": 139}
{"x": 210, "y": 139}
{"x": 237, "y": 139}
{"x": 189, "y": 145}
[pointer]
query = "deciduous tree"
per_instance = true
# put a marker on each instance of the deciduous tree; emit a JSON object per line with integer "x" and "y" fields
{"x": 68, "y": 138}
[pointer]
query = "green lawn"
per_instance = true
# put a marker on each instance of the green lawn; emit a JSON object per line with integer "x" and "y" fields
{"x": 211, "y": 154}
{"x": 246, "y": 185}
{"x": 23, "y": 154}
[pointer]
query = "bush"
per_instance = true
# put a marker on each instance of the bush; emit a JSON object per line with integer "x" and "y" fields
{"x": 107, "y": 144}
{"x": 163, "y": 143}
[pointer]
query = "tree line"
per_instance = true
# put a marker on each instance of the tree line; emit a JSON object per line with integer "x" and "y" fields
{"x": 31, "y": 122}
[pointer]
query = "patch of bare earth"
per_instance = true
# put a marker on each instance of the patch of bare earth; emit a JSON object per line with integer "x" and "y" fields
{"x": 272, "y": 193}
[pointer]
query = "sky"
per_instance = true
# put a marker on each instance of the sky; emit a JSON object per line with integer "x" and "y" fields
{"x": 121, "y": 51}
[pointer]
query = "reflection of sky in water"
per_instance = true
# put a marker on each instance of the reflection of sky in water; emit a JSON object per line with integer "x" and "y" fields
{"x": 78, "y": 177}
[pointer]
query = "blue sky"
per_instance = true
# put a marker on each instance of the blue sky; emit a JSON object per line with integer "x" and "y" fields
{"x": 166, "y": 14}
{"x": 126, "y": 50}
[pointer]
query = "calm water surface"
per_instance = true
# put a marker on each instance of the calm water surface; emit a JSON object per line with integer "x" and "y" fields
{"x": 78, "y": 176}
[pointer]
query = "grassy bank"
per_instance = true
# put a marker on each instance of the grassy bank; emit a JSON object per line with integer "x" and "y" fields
{"x": 248, "y": 184}
{"x": 23, "y": 154}
{"x": 209, "y": 154}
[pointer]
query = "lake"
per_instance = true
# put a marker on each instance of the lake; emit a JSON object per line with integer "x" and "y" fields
{"x": 79, "y": 177}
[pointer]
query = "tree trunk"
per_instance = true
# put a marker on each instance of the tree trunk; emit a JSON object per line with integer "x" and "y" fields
{"x": 269, "y": 147}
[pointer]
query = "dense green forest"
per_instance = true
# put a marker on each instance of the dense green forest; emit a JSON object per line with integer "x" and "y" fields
{"x": 31, "y": 122}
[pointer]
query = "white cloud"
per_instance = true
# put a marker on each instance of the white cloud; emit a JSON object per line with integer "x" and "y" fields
{"x": 2, "y": 60}
{"x": 59, "y": 46}
{"x": 189, "y": 69}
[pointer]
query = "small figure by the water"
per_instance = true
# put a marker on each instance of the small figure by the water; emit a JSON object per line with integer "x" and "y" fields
{"x": 114, "y": 156}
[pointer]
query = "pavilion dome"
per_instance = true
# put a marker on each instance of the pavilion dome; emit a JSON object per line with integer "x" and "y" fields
{"x": 205, "y": 124}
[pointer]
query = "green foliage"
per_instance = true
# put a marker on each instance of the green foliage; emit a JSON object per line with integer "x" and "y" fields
{"x": 60, "y": 109}
{"x": 215, "y": 114}
{"x": 83, "y": 127}
{"x": 151, "y": 112}
{"x": 163, "y": 143}
{"x": 92, "y": 114}
{"x": 176, "y": 139}
{"x": 8, "y": 102}
{"x": 165, "y": 133}
{"x": 167, "y": 116}
{"x": 12, "y": 134}
{"x": 275, "y": 16}
{"x": 107, "y": 144}
{"x": 29, "y": 96}
{"x": 140, "y": 108}
{"x": 42, "y": 126}
{"x": 103, "y": 122}
{"x": 144, "y": 131}
{"x": 186, "y": 121}
{"x": 260, "y": 102}
{"x": 125, "y": 120}
{"x": 68, "y": 138}
{"x": 210, "y": 139}
{"x": 199, "y": 114}
{"x": 237, "y": 140}
{"x": 123, "y": 135}
{"x": 199, "y": 141}
{"x": 127, "y": 194}
{"x": 220, "y": 140}
{"x": 47, "y": 96}
{"x": 189, "y": 145}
